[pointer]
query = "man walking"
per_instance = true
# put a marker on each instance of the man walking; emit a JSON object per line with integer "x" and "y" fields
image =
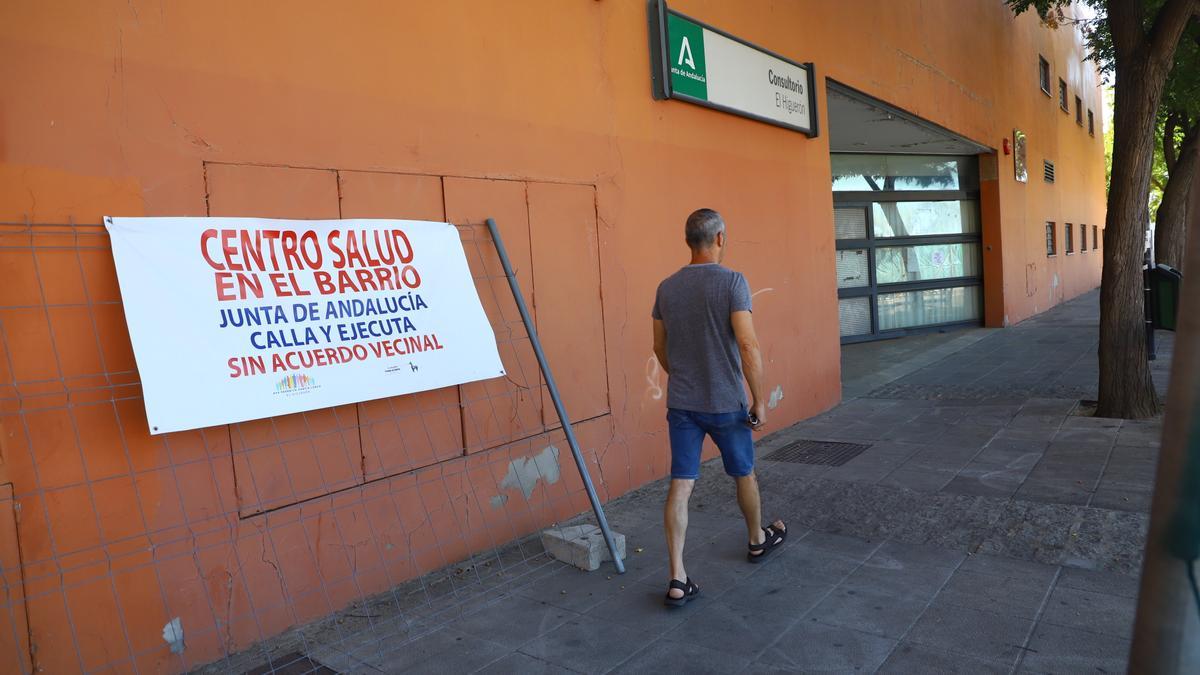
{"x": 704, "y": 340}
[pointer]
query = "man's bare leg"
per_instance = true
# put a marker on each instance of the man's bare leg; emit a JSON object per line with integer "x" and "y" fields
{"x": 750, "y": 503}
{"x": 675, "y": 517}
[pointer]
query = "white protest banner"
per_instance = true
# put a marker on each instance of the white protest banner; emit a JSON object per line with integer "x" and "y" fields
{"x": 234, "y": 319}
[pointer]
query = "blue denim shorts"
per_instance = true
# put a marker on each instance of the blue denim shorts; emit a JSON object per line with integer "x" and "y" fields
{"x": 728, "y": 430}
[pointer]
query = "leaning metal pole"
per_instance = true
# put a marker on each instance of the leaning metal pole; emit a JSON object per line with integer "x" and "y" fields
{"x": 1166, "y": 635}
{"x": 558, "y": 404}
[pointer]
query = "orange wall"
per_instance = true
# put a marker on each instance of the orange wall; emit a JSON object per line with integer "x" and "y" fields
{"x": 139, "y": 108}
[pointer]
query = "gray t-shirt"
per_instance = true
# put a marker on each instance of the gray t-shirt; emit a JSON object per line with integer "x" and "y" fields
{"x": 706, "y": 367}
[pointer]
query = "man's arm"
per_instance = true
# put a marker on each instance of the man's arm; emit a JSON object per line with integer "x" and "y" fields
{"x": 752, "y": 368}
{"x": 660, "y": 345}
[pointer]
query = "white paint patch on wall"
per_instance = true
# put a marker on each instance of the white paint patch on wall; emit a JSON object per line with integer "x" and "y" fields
{"x": 173, "y": 635}
{"x": 525, "y": 472}
{"x": 776, "y": 397}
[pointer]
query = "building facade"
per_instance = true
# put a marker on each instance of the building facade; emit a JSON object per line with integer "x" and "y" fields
{"x": 903, "y": 212}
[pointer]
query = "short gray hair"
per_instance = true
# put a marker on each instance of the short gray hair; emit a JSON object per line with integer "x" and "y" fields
{"x": 702, "y": 228}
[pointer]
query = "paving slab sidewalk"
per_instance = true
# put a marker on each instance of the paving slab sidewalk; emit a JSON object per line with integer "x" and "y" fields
{"x": 986, "y": 527}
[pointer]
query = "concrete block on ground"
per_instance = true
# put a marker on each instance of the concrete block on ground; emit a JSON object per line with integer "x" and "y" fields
{"x": 581, "y": 545}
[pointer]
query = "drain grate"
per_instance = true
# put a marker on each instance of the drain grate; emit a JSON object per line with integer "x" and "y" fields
{"x": 825, "y": 453}
{"x": 294, "y": 663}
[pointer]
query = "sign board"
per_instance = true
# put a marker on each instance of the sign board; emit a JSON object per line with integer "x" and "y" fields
{"x": 695, "y": 62}
{"x": 234, "y": 319}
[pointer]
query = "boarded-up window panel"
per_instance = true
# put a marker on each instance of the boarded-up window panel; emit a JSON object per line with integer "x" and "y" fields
{"x": 403, "y": 433}
{"x": 236, "y": 190}
{"x": 570, "y": 316}
{"x": 14, "y": 628}
{"x": 369, "y": 194}
{"x": 284, "y": 460}
{"x": 499, "y": 410}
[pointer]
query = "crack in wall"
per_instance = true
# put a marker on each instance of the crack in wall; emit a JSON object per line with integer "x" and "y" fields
{"x": 962, "y": 88}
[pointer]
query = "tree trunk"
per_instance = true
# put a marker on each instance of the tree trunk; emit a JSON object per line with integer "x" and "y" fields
{"x": 1141, "y": 61}
{"x": 1192, "y": 212}
{"x": 1166, "y": 634}
{"x": 1170, "y": 126}
{"x": 1126, "y": 388}
{"x": 1170, "y": 232}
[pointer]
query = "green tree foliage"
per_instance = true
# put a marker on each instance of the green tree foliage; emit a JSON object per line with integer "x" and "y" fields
{"x": 1108, "y": 141}
{"x": 1182, "y": 91}
{"x": 1158, "y": 170}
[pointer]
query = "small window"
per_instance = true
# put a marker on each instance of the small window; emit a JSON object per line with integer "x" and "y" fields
{"x": 1047, "y": 171}
{"x": 1095, "y": 237}
{"x": 1082, "y": 238}
{"x": 1078, "y": 111}
{"x": 1051, "y": 240}
{"x": 1044, "y": 75}
{"x": 1068, "y": 238}
{"x": 1062, "y": 95}
{"x": 1091, "y": 124}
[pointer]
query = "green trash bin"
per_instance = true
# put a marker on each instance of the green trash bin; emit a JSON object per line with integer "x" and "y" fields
{"x": 1164, "y": 282}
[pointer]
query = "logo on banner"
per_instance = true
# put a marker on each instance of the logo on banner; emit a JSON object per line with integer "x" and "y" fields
{"x": 292, "y": 385}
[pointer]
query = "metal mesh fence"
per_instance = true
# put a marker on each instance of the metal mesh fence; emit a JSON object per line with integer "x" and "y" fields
{"x": 295, "y": 544}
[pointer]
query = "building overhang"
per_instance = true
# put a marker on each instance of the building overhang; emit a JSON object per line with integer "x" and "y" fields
{"x": 860, "y": 123}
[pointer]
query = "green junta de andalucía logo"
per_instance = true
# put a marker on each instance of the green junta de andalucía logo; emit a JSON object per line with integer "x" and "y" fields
{"x": 686, "y": 54}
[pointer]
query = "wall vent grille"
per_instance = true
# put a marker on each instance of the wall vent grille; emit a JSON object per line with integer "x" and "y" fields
{"x": 1048, "y": 170}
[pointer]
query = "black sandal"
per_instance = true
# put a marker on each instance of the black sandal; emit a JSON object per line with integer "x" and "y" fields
{"x": 773, "y": 541}
{"x": 690, "y": 591}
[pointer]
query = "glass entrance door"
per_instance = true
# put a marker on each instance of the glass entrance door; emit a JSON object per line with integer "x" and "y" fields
{"x": 908, "y": 243}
